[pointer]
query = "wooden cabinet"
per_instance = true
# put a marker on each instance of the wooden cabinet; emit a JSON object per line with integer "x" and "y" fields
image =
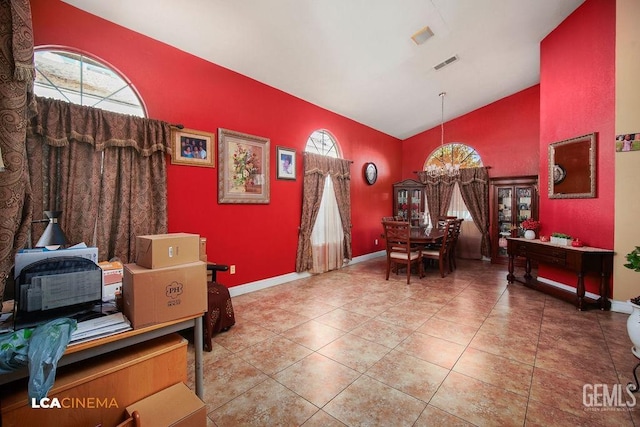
{"x": 513, "y": 199}
{"x": 408, "y": 200}
{"x": 96, "y": 391}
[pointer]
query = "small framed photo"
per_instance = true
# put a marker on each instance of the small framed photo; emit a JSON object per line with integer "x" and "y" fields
{"x": 192, "y": 147}
{"x": 286, "y": 158}
{"x": 243, "y": 168}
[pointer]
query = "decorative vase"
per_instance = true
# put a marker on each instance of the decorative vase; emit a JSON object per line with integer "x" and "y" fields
{"x": 529, "y": 234}
{"x": 633, "y": 329}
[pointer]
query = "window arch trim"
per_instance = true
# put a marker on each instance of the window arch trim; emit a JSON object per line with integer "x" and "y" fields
{"x": 101, "y": 61}
{"x": 325, "y": 133}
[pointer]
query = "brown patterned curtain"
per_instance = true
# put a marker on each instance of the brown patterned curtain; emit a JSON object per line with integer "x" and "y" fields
{"x": 438, "y": 190}
{"x": 105, "y": 171}
{"x": 316, "y": 168}
{"x": 17, "y": 74}
{"x": 474, "y": 187}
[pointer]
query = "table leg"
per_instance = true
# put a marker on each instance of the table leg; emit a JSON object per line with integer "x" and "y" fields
{"x": 605, "y": 304}
{"x": 510, "y": 276}
{"x": 527, "y": 269}
{"x": 580, "y": 290}
{"x": 199, "y": 369}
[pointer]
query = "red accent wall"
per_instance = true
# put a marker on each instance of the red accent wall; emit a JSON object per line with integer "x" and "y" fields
{"x": 577, "y": 97}
{"x": 504, "y": 133}
{"x": 177, "y": 87}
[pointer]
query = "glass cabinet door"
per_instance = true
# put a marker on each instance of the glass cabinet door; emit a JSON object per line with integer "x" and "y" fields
{"x": 505, "y": 217}
{"x": 402, "y": 204}
{"x": 524, "y": 205}
{"x": 416, "y": 203}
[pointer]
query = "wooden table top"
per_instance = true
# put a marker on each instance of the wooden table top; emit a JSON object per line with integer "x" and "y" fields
{"x": 426, "y": 235}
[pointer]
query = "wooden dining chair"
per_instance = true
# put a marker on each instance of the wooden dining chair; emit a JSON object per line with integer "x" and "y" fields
{"x": 399, "y": 249}
{"x": 454, "y": 244}
{"x": 442, "y": 253}
{"x": 442, "y": 219}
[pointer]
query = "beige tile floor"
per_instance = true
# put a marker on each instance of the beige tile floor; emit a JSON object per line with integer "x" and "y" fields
{"x": 348, "y": 348}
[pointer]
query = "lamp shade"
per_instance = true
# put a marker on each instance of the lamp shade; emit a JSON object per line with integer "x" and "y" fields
{"x": 53, "y": 234}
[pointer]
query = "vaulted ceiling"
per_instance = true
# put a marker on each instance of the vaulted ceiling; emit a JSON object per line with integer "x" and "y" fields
{"x": 356, "y": 57}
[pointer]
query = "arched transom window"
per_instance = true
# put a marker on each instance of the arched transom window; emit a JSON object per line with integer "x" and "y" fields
{"x": 80, "y": 79}
{"x": 321, "y": 142}
{"x": 453, "y": 154}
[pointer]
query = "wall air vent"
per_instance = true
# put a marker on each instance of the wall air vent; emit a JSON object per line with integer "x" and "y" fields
{"x": 446, "y": 62}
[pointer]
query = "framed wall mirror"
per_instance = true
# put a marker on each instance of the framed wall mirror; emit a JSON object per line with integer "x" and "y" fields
{"x": 572, "y": 168}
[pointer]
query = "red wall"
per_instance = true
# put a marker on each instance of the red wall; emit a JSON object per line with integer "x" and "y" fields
{"x": 504, "y": 133}
{"x": 261, "y": 240}
{"x": 577, "y": 97}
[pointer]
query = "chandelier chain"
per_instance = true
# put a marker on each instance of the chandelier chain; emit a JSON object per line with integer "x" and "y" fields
{"x": 447, "y": 168}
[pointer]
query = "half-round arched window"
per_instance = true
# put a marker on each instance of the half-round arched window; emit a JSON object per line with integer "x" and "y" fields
{"x": 454, "y": 154}
{"x": 80, "y": 79}
{"x": 321, "y": 142}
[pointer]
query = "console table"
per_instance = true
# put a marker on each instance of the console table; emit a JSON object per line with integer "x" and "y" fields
{"x": 581, "y": 260}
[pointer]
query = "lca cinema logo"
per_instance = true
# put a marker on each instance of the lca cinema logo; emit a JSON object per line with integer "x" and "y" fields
{"x": 74, "y": 403}
{"x": 608, "y": 397}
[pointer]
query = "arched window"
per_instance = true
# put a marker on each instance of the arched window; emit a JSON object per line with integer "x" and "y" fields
{"x": 80, "y": 79}
{"x": 327, "y": 235}
{"x": 454, "y": 154}
{"x": 321, "y": 142}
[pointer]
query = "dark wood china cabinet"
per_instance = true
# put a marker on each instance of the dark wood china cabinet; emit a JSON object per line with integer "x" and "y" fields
{"x": 408, "y": 200}
{"x": 513, "y": 199}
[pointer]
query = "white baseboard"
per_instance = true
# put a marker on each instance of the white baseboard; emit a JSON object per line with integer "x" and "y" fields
{"x": 289, "y": 277}
{"x": 617, "y": 306}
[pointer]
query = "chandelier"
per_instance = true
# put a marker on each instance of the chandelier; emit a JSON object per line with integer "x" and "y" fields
{"x": 447, "y": 168}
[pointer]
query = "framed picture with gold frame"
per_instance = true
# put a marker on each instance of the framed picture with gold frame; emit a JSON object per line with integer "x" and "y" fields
{"x": 243, "y": 168}
{"x": 192, "y": 147}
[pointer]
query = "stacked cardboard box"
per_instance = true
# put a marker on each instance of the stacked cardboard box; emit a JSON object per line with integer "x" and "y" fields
{"x": 167, "y": 281}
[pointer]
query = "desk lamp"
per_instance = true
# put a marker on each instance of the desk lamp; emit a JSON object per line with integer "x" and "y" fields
{"x": 53, "y": 234}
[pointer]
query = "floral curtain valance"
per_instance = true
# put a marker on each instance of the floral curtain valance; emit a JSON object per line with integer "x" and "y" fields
{"x": 59, "y": 122}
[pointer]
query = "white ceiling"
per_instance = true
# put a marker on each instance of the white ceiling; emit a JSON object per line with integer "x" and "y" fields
{"x": 356, "y": 57}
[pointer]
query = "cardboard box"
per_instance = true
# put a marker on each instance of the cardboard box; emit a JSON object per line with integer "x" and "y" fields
{"x": 166, "y": 250}
{"x": 203, "y": 249}
{"x": 175, "y": 406}
{"x": 159, "y": 295}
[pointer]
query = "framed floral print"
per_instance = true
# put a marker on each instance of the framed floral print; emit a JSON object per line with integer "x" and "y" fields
{"x": 192, "y": 147}
{"x": 286, "y": 163}
{"x": 243, "y": 168}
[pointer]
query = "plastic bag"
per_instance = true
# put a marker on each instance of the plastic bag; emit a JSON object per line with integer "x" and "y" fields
{"x": 46, "y": 346}
{"x": 13, "y": 350}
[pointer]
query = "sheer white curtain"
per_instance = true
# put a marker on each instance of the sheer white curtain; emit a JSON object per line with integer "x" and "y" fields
{"x": 327, "y": 236}
{"x": 470, "y": 240}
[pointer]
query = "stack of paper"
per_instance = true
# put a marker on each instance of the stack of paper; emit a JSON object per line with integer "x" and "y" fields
{"x": 100, "y": 327}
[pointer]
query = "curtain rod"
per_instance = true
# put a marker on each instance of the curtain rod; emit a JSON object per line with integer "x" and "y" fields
{"x": 486, "y": 167}
{"x": 306, "y": 152}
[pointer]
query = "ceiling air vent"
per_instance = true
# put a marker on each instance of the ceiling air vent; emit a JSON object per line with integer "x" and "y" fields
{"x": 422, "y": 36}
{"x": 446, "y": 62}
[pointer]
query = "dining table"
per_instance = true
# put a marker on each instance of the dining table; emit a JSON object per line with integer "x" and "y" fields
{"x": 423, "y": 235}
{"x": 426, "y": 235}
